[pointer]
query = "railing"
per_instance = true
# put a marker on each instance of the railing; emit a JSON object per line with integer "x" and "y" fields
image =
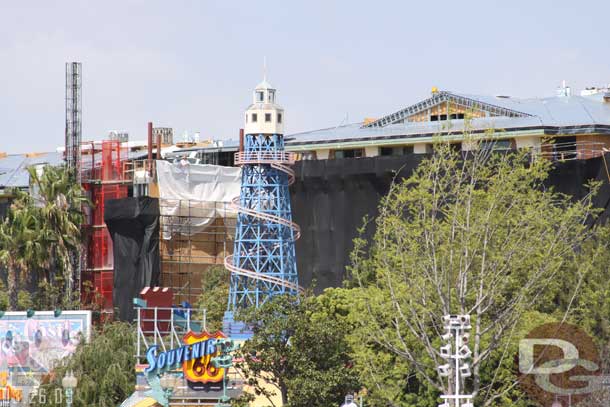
{"x": 579, "y": 150}
{"x": 280, "y": 160}
{"x": 166, "y": 327}
{"x": 140, "y": 171}
{"x": 265, "y": 157}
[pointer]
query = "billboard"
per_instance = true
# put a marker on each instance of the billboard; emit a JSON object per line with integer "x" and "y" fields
{"x": 31, "y": 346}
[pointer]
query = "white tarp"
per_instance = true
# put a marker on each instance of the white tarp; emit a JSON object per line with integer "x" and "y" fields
{"x": 192, "y": 196}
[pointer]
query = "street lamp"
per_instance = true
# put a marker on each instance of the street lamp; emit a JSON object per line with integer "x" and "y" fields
{"x": 169, "y": 383}
{"x": 456, "y": 354}
{"x": 69, "y": 383}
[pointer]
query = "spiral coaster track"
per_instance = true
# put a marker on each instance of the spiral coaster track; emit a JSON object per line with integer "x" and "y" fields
{"x": 280, "y": 160}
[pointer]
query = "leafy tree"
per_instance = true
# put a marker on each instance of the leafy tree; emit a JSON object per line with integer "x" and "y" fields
{"x": 104, "y": 368}
{"x": 299, "y": 346}
{"x": 215, "y": 291}
{"x": 481, "y": 236}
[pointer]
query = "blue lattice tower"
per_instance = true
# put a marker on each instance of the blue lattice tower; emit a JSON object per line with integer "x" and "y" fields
{"x": 263, "y": 262}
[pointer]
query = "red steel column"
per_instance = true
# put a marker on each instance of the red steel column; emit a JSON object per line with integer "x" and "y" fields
{"x": 150, "y": 142}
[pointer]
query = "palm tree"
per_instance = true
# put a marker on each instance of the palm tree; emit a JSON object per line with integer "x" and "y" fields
{"x": 60, "y": 200}
{"x": 42, "y": 232}
{"x": 21, "y": 246}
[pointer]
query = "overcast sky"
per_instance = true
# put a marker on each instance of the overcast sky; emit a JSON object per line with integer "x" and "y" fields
{"x": 192, "y": 65}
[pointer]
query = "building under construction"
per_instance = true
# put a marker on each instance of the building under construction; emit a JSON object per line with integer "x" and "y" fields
{"x": 340, "y": 174}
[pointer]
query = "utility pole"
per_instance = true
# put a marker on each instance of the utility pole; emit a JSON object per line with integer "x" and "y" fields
{"x": 457, "y": 353}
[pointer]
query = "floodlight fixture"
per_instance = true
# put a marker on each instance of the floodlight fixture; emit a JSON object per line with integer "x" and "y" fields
{"x": 443, "y": 370}
{"x": 447, "y": 336}
{"x": 465, "y": 370}
{"x": 465, "y": 352}
{"x": 446, "y": 351}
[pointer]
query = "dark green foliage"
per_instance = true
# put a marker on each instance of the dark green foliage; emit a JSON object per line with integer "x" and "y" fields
{"x": 299, "y": 346}
{"x": 41, "y": 236}
{"x": 215, "y": 287}
{"x": 104, "y": 369}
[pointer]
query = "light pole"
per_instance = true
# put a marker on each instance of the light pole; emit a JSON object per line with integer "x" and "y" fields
{"x": 168, "y": 383}
{"x": 456, "y": 352}
{"x": 349, "y": 401}
{"x": 69, "y": 383}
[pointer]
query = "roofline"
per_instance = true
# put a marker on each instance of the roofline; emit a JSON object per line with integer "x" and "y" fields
{"x": 453, "y": 135}
{"x": 440, "y": 97}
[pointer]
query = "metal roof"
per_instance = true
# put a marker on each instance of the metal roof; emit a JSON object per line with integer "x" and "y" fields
{"x": 13, "y": 168}
{"x": 552, "y": 115}
{"x": 440, "y": 97}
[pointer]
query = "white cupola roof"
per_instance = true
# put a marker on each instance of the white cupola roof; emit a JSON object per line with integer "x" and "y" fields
{"x": 264, "y": 115}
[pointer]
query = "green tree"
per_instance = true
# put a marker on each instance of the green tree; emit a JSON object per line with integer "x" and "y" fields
{"x": 42, "y": 234}
{"x": 21, "y": 248}
{"x": 104, "y": 368}
{"x": 215, "y": 291}
{"x": 299, "y": 346}
{"x": 481, "y": 236}
{"x": 60, "y": 200}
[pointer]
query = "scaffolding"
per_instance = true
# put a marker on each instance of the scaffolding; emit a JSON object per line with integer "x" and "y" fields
{"x": 192, "y": 250}
{"x": 103, "y": 178}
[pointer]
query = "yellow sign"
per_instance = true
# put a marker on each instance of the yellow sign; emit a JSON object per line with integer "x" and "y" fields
{"x": 200, "y": 370}
{"x": 8, "y": 392}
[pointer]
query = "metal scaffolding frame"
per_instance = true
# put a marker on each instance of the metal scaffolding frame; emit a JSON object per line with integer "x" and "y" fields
{"x": 192, "y": 251}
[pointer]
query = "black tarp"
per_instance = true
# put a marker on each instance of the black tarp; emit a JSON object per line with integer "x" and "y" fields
{"x": 331, "y": 197}
{"x": 133, "y": 224}
{"x": 329, "y": 201}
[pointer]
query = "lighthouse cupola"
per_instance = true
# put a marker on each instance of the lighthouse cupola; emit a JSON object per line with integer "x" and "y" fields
{"x": 264, "y": 115}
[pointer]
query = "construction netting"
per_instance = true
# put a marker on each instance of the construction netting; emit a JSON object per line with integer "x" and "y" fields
{"x": 189, "y": 195}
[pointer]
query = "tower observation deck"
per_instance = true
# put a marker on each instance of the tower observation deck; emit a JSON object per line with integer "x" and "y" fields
{"x": 263, "y": 263}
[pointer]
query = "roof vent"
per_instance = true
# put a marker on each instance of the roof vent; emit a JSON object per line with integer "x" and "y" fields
{"x": 563, "y": 90}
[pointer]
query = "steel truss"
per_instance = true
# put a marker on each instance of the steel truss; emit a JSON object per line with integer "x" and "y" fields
{"x": 263, "y": 263}
{"x": 441, "y": 97}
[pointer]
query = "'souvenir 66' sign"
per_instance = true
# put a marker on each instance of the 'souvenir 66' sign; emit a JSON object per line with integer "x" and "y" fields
{"x": 195, "y": 356}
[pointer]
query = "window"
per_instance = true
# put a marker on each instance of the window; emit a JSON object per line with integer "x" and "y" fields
{"x": 271, "y": 96}
{"x": 353, "y": 153}
{"x": 497, "y": 145}
{"x": 279, "y": 117}
{"x": 454, "y": 116}
{"x": 267, "y": 117}
{"x": 443, "y": 117}
{"x": 307, "y": 155}
{"x": 434, "y": 118}
{"x": 260, "y": 96}
{"x": 402, "y": 150}
{"x": 254, "y": 118}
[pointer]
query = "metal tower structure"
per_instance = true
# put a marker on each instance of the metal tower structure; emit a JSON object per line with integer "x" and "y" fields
{"x": 73, "y": 146}
{"x": 263, "y": 263}
{"x": 73, "y": 117}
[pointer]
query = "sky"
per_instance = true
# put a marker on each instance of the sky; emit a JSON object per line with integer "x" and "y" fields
{"x": 192, "y": 65}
